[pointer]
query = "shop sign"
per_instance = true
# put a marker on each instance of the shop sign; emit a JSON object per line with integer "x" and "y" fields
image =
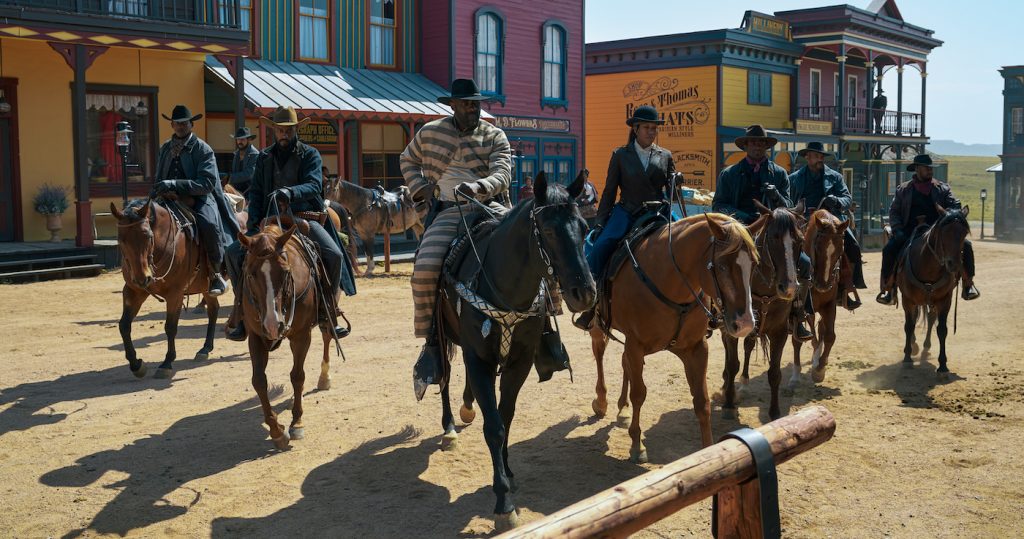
{"x": 318, "y": 133}
{"x": 759, "y": 23}
{"x": 813, "y": 127}
{"x": 528, "y": 123}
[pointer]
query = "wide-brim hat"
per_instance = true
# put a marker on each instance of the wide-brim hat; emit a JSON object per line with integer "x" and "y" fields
{"x": 754, "y": 132}
{"x": 464, "y": 89}
{"x": 923, "y": 159}
{"x": 243, "y": 132}
{"x": 181, "y": 113}
{"x": 283, "y": 117}
{"x": 816, "y": 147}
{"x": 645, "y": 113}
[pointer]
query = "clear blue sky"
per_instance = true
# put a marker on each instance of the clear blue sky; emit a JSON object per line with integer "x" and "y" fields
{"x": 965, "y": 100}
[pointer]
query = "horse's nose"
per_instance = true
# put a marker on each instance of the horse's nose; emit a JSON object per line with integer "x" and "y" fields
{"x": 786, "y": 291}
{"x": 741, "y": 326}
{"x": 582, "y": 297}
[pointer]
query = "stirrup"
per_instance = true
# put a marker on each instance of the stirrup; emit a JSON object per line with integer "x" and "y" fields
{"x": 218, "y": 286}
{"x": 427, "y": 370}
{"x": 970, "y": 293}
{"x": 585, "y": 320}
{"x": 886, "y": 297}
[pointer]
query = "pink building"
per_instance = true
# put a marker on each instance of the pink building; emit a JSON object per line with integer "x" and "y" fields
{"x": 529, "y": 59}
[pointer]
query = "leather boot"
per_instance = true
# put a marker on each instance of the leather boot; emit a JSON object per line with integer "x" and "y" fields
{"x": 235, "y": 328}
{"x": 970, "y": 292}
{"x": 858, "y": 275}
{"x": 428, "y": 369}
{"x": 218, "y": 286}
{"x": 799, "y": 315}
{"x": 551, "y": 354}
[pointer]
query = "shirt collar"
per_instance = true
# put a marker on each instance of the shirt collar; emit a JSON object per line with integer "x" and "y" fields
{"x": 641, "y": 149}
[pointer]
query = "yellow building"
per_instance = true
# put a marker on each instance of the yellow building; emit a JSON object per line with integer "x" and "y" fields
{"x": 68, "y": 77}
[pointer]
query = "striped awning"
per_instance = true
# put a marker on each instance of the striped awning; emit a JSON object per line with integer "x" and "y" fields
{"x": 326, "y": 91}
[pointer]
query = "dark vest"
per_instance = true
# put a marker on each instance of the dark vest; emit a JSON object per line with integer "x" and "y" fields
{"x": 814, "y": 191}
{"x": 921, "y": 205}
{"x": 750, "y": 187}
{"x": 286, "y": 175}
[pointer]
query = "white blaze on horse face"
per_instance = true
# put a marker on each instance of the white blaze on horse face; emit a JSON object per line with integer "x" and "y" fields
{"x": 745, "y": 323}
{"x": 270, "y": 320}
{"x": 788, "y": 242}
{"x": 828, "y": 266}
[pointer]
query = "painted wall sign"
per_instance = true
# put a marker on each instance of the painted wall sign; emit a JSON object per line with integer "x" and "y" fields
{"x": 759, "y": 23}
{"x": 529, "y": 123}
{"x": 318, "y": 133}
{"x": 813, "y": 127}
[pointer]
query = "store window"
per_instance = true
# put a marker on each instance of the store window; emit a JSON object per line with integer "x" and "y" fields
{"x": 1016, "y": 123}
{"x": 554, "y": 64}
{"x": 382, "y": 146}
{"x": 382, "y": 33}
{"x": 488, "y": 52}
{"x": 314, "y": 30}
{"x": 103, "y": 111}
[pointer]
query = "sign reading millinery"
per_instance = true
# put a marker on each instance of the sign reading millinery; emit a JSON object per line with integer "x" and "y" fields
{"x": 813, "y": 127}
{"x": 529, "y": 123}
{"x": 759, "y": 23}
{"x": 318, "y": 133}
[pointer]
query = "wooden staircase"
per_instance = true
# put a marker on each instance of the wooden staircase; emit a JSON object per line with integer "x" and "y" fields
{"x": 49, "y": 267}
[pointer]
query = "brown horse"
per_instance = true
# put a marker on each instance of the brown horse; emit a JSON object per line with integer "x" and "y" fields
{"x": 929, "y": 275}
{"x": 823, "y": 242}
{"x": 696, "y": 262}
{"x": 158, "y": 259}
{"x": 282, "y": 298}
{"x": 773, "y": 287}
{"x": 373, "y": 212}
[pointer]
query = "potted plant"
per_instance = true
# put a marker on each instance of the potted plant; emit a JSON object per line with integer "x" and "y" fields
{"x": 51, "y": 201}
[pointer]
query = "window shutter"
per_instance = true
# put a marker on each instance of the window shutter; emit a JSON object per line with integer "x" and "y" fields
{"x": 766, "y": 89}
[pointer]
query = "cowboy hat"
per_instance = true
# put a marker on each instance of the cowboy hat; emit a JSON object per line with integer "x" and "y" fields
{"x": 815, "y": 147}
{"x": 645, "y": 113}
{"x": 243, "y": 132}
{"x": 180, "y": 113}
{"x": 923, "y": 159}
{"x": 754, "y": 132}
{"x": 283, "y": 117}
{"x": 464, "y": 89}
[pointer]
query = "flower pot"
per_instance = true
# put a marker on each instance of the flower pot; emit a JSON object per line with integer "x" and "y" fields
{"x": 53, "y": 224}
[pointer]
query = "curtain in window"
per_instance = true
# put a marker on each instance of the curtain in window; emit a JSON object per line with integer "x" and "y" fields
{"x": 313, "y": 18}
{"x": 554, "y": 63}
{"x": 382, "y": 32}
{"x": 488, "y": 53}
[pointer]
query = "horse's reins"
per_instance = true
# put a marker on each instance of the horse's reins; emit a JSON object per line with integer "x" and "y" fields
{"x": 171, "y": 241}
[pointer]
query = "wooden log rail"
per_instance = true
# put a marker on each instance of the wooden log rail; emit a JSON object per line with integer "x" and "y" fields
{"x": 726, "y": 466}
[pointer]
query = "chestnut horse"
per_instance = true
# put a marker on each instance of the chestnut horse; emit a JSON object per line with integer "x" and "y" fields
{"x": 823, "y": 243}
{"x": 159, "y": 259}
{"x": 930, "y": 272}
{"x": 693, "y": 265}
{"x": 282, "y": 301}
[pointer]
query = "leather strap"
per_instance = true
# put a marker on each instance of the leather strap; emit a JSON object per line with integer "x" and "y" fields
{"x": 768, "y": 486}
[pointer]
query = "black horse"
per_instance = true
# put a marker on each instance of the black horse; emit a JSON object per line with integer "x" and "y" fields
{"x": 504, "y": 279}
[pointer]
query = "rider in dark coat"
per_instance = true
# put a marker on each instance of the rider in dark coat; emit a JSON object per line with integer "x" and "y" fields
{"x": 290, "y": 171}
{"x": 818, "y": 185}
{"x": 186, "y": 166}
{"x": 758, "y": 178}
{"x": 243, "y": 160}
{"x": 915, "y": 198}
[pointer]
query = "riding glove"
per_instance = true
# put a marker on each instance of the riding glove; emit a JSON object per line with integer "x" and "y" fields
{"x": 284, "y": 194}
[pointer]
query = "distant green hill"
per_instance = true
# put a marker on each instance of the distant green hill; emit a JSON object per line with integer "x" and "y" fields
{"x": 967, "y": 177}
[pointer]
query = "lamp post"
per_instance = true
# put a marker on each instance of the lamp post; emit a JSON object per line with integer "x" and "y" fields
{"x": 984, "y": 195}
{"x": 122, "y": 139}
{"x": 863, "y": 206}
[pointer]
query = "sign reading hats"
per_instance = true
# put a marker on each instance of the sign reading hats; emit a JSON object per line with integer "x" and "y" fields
{"x": 464, "y": 89}
{"x": 816, "y": 147}
{"x": 181, "y": 113}
{"x": 243, "y": 132}
{"x": 283, "y": 117}
{"x": 755, "y": 132}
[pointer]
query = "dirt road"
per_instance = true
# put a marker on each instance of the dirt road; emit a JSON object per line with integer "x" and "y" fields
{"x": 87, "y": 449}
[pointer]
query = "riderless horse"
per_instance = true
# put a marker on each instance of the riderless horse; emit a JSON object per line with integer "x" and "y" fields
{"x": 494, "y": 296}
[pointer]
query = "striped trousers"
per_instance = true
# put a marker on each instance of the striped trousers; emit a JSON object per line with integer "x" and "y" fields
{"x": 429, "y": 259}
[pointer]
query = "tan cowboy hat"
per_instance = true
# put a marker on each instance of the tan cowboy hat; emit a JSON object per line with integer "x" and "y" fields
{"x": 283, "y": 117}
{"x": 755, "y": 132}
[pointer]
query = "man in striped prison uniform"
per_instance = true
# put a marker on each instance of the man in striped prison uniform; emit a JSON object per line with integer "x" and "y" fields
{"x": 457, "y": 152}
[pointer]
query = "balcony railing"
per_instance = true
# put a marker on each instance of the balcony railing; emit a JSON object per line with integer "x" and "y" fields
{"x": 224, "y": 15}
{"x": 866, "y": 121}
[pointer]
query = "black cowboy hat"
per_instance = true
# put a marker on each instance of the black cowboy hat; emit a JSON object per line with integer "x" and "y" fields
{"x": 464, "y": 89}
{"x": 816, "y": 147}
{"x": 243, "y": 132}
{"x": 645, "y": 113}
{"x": 923, "y": 159}
{"x": 182, "y": 114}
{"x": 754, "y": 132}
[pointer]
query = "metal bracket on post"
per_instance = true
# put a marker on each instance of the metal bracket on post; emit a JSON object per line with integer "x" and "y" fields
{"x": 750, "y": 509}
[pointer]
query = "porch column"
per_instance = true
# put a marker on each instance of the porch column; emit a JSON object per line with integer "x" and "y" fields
{"x": 924, "y": 80}
{"x": 842, "y": 89}
{"x": 354, "y": 144}
{"x": 239, "y": 75}
{"x": 795, "y": 92}
{"x": 899, "y": 99}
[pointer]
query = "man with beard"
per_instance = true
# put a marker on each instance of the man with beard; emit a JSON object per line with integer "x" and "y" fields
{"x": 243, "y": 161}
{"x": 913, "y": 199}
{"x": 186, "y": 166}
{"x": 818, "y": 185}
{"x": 289, "y": 173}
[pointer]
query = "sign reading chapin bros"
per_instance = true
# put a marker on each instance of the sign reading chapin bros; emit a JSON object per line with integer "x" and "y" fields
{"x": 685, "y": 99}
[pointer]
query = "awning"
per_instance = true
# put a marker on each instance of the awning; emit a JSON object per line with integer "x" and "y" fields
{"x": 998, "y": 167}
{"x": 326, "y": 91}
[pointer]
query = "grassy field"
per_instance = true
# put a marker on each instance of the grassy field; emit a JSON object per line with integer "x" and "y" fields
{"x": 967, "y": 177}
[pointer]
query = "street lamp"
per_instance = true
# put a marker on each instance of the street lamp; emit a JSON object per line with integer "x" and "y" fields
{"x": 984, "y": 195}
{"x": 123, "y": 140}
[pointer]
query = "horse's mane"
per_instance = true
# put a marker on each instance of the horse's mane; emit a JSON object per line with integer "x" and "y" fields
{"x": 952, "y": 215}
{"x": 819, "y": 219}
{"x": 784, "y": 222}
{"x": 738, "y": 237}
{"x": 134, "y": 206}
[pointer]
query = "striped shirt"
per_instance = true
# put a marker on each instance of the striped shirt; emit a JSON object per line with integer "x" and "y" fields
{"x": 486, "y": 151}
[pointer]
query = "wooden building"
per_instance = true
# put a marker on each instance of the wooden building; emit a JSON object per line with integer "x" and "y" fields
{"x": 1009, "y": 198}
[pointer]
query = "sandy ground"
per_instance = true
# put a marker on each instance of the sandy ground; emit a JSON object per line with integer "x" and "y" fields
{"x": 87, "y": 449}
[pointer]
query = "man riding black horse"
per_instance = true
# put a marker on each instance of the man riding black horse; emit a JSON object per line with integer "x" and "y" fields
{"x": 916, "y": 200}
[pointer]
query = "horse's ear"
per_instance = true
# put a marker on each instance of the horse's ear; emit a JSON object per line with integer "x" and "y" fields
{"x": 144, "y": 212}
{"x": 761, "y": 208}
{"x": 760, "y": 224}
{"x": 940, "y": 209}
{"x": 800, "y": 208}
{"x": 965, "y": 210}
{"x": 717, "y": 230}
{"x": 576, "y": 187}
{"x": 116, "y": 212}
{"x": 243, "y": 239}
{"x": 283, "y": 240}
{"x": 540, "y": 188}
{"x": 842, "y": 227}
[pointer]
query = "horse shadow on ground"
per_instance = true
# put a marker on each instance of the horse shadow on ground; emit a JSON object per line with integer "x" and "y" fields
{"x": 375, "y": 490}
{"x": 35, "y": 404}
{"x": 159, "y": 465}
{"x": 912, "y": 384}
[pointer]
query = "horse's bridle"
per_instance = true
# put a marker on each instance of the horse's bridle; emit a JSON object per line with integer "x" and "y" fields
{"x": 288, "y": 281}
{"x": 151, "y": 244}
{"x": 951, "y": 264}
{"x": 834, "y": 274}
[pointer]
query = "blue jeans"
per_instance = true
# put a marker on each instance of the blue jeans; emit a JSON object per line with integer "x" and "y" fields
{"x": 618, "y": 224}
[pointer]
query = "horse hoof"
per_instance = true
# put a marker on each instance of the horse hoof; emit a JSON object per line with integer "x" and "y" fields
{"x": 450, "y": 441}
{"x": 297, "y": 433}
{"x": 717, "y": 397}
{"x": 323, "y": 384}
{"x": 504, "y": 522}
{"x": 202, "y": 356}
{"x": 623, "y": 419}
{"x": 744, "y": 380}
{"x": 600, "y": 408}
{"x": 282, "y": 442}
{"x": 638, "y": 457}
{"x": 729, "y": 413}
{"x": 140, "y": 372}
{"x": 942, "y": 376}
{"x": 164, "y": 374}
{"x": 914, "y": 349}
{"x": 467, "y": 414}
{"x": 818, "y": 375}
{"x": 908, "y": 364}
